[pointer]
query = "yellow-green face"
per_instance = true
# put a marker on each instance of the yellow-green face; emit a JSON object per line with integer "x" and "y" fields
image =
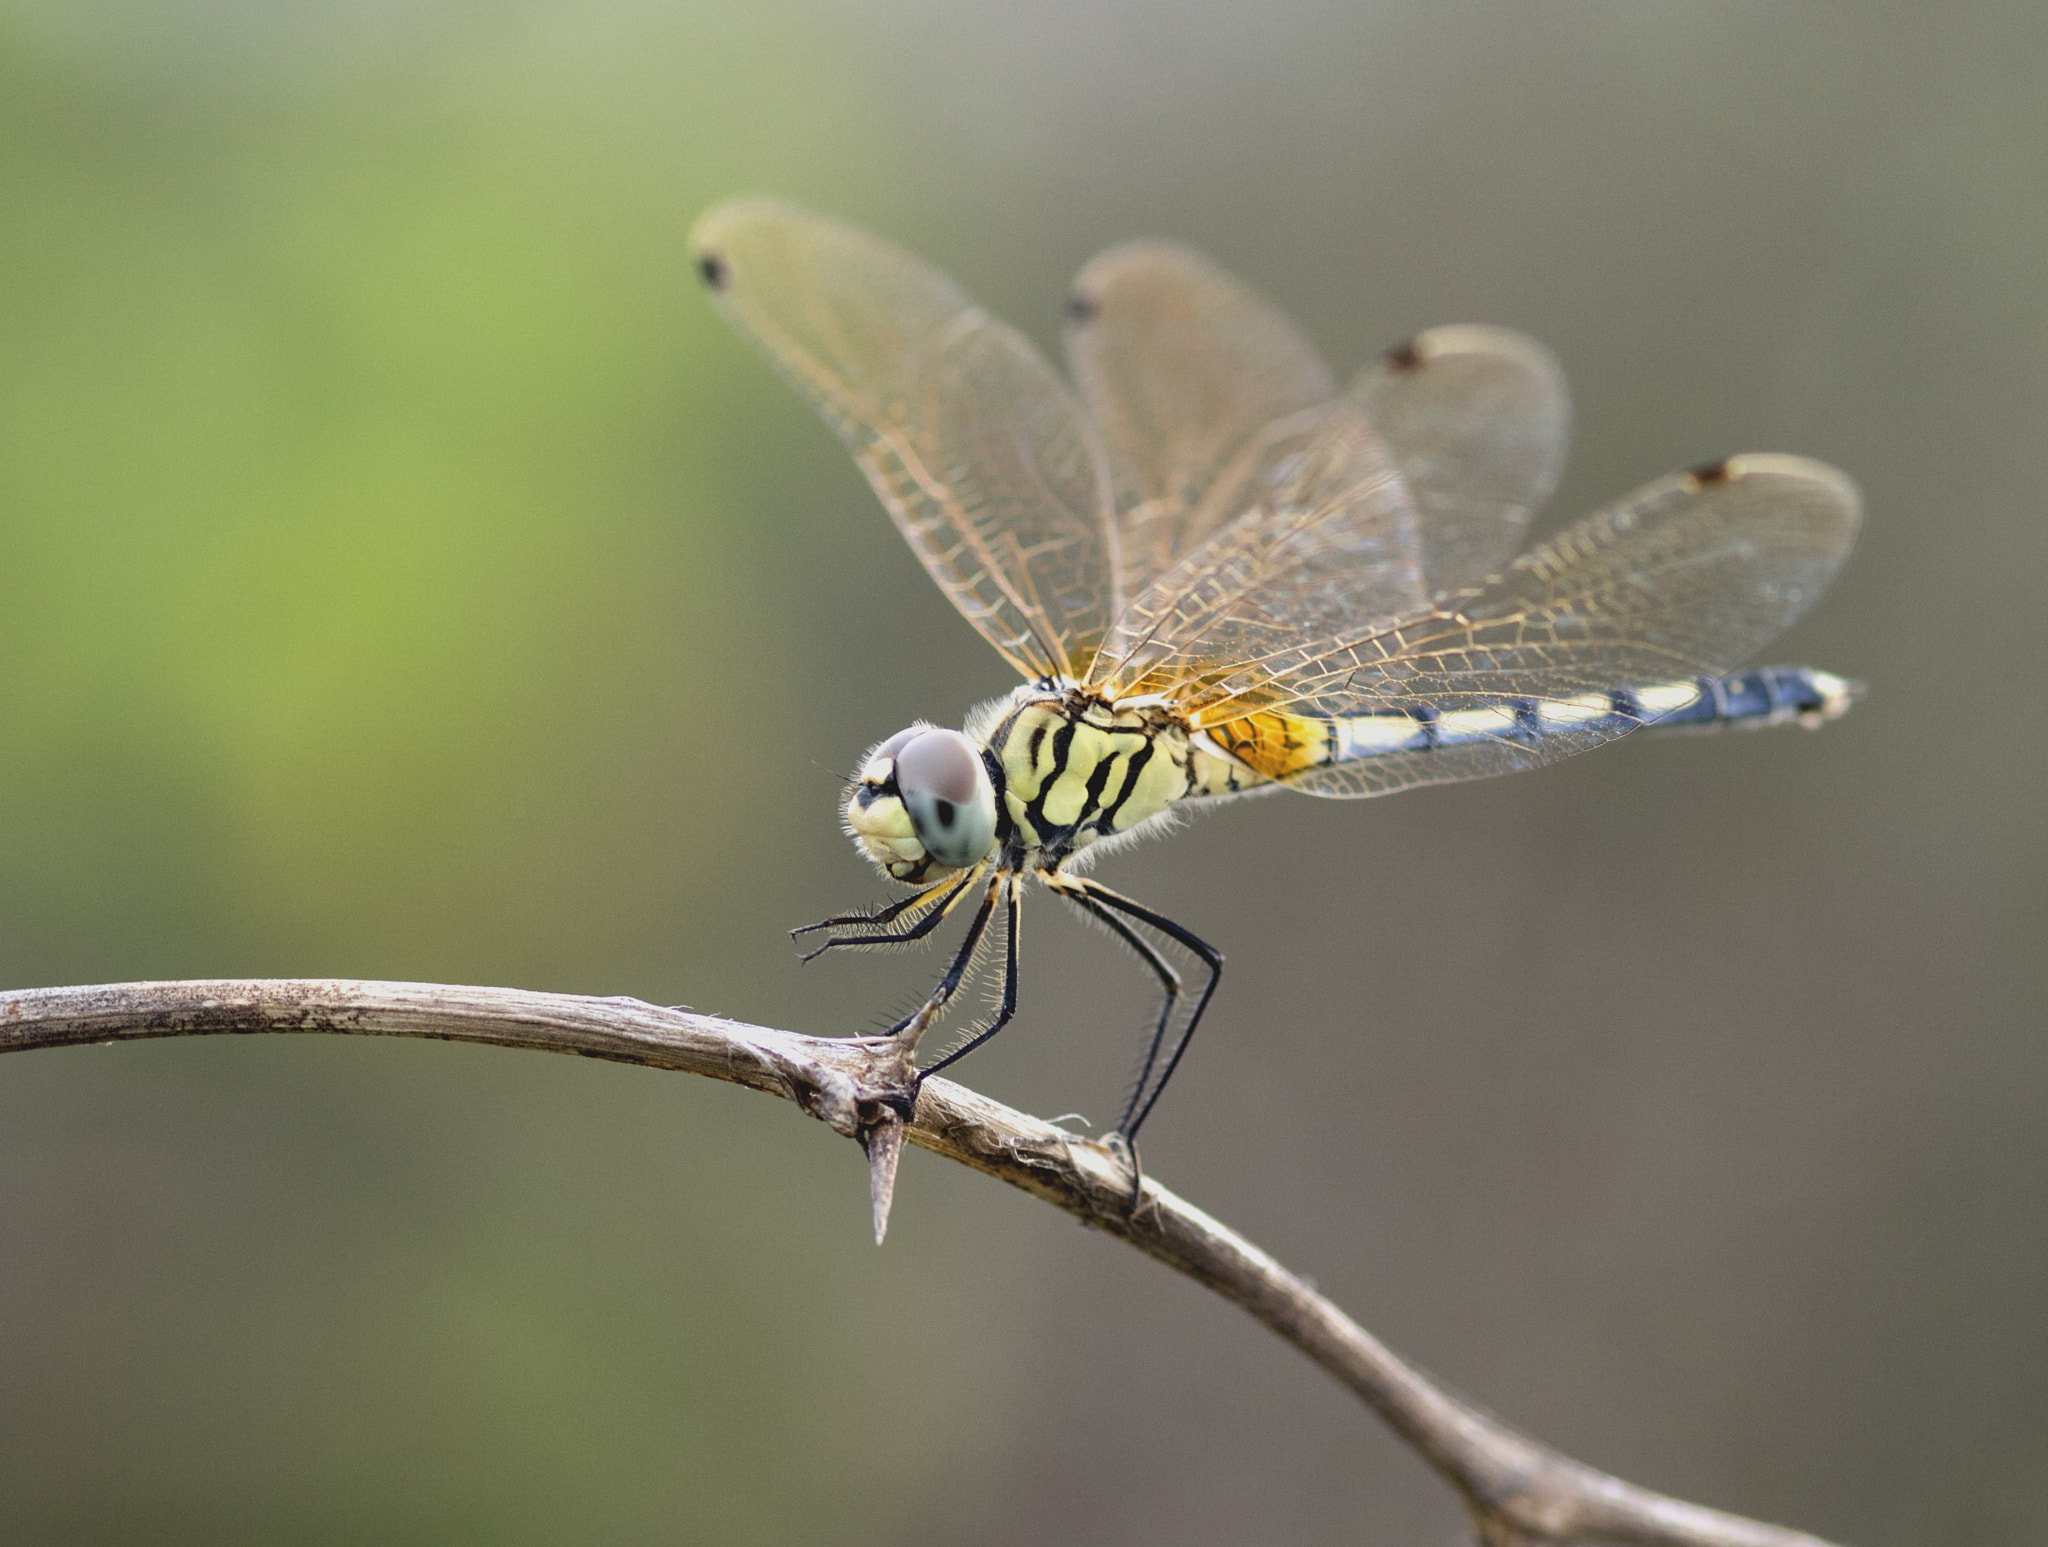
{"x": 882, "y": 830}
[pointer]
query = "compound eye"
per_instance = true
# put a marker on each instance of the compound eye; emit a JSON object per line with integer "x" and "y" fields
{"x": 885, "y": 754}
{"x": 946, "y": 790}
{"x": 896, "y": 743}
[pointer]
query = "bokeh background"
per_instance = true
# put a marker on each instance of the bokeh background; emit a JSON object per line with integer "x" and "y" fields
{"x": 404, "y": 574}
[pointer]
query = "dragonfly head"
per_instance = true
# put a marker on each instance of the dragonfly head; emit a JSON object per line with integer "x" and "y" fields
{"x": 923, "y": 805}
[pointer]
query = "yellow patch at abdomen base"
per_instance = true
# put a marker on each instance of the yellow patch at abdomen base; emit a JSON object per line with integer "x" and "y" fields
{"x": 1276, "y": 744}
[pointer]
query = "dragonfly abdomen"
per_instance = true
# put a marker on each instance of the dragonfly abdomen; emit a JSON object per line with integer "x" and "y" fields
{"x": 1771, "y": 695}
{"x": 1276, "y": 746}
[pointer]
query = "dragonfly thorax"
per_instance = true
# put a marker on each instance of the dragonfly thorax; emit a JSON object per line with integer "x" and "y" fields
{"x": 1077, "y": 768}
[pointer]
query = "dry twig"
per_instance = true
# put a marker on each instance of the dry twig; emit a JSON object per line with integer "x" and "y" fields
{"x": 1520, "y": 1492}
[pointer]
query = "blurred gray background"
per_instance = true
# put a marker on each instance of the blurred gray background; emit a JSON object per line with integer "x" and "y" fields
{"x": 406, "y": 575}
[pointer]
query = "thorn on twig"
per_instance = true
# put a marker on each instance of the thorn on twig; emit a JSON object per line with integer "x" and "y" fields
{"x": 883, "y": 1141}
{"x": 892, "y": 1102}
{"x": 887, "y": 1102}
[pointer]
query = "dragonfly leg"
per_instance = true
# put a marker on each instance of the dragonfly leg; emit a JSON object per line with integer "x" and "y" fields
{"x": 1139, "y": 1107}
{"x": 926, "y": 1013}
{"x": 1169, "y": 980}
{"x": 1008, "y": 1008}
{"x": 941, "y": 897}
{"x": 882, "y": 915}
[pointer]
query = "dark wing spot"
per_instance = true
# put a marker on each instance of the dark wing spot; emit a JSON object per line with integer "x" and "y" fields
{"x": 1081, "y": 308}
{"x": 713, "y": 268}
{"x": 1708, "y": 473}
{"x": 1406, "y": 358}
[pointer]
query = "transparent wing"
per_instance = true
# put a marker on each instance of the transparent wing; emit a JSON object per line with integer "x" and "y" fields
{"x": 1329, "y": 549}
{"x": 1688, "y": 575}
{"x": 1477, "y": 419}
{"x": 1213, "y": 410}
{"x": 977, "y": 448}
{"x": 1189, "y": 377}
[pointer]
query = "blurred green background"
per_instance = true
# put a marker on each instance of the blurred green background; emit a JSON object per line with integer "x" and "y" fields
{"x": 397, "y": 557}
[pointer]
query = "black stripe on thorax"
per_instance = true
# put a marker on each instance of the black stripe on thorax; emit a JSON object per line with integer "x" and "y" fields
{"x": 1006, "y": 826}
{"x": 1062, "y": 748}
{"x": 1006, "y": 727}
{"x": 1138, "y": 761}
{"x": 1062, "y": 744}
{"x": 1031, "y": 747}
{"x": 1098, "y": 781}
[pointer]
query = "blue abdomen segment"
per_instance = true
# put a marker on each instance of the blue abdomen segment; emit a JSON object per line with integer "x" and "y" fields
{"x": 1769, "y": 695}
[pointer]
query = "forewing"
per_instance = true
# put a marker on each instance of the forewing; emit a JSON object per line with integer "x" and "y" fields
{"x": 1687, "y": 576}
{"x": 1187, "y": 374}
{"x": 1328, "y": 551}
{"x": 1477, "y": 419}
{"x": 976, "y": 447}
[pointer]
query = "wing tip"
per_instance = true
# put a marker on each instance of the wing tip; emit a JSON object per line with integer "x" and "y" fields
{"x": 742, "y": 223}
{"x": 716, "y": 223}
{"x": 1101, "y": 274}
{"x": 1476, "y": 338}
{"x": 1108, "y": 264}
{"x": 1200, "y": 283}
{"x": 1783, "y": 466}
{"x": 711, "y": 236}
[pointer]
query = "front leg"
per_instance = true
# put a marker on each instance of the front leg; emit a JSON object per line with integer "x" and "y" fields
{"x": 913, "y": 1025}
{"x": 1008, "y": 1008}
{"x": 940, "y": 899}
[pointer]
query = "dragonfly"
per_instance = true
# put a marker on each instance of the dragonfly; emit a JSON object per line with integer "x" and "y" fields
{"x": 1219, "y": 574}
